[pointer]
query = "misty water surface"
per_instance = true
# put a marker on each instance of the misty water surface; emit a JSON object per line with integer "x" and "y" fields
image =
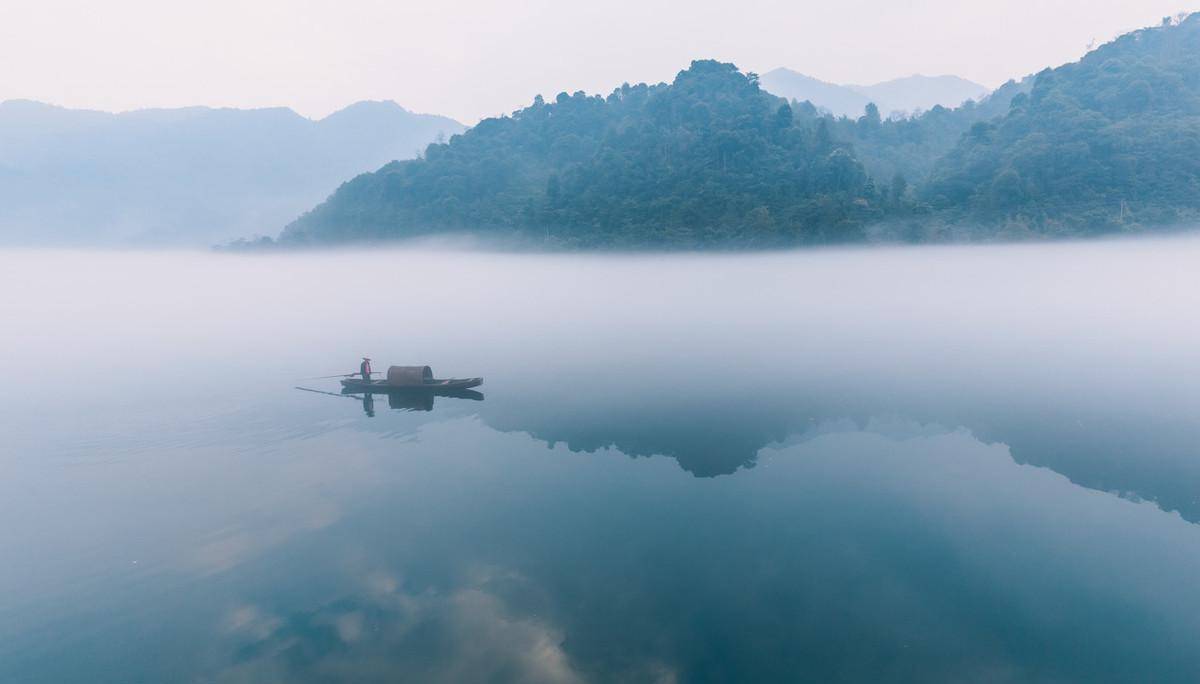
{"x": 934, "y": 464}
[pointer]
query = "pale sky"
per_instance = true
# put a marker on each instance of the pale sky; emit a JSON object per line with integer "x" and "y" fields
{"x": 478, "y": 58}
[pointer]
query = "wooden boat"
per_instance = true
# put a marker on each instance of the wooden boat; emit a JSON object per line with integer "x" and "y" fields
{"x": 408, "y": 379}
{"x": 382, "y": 386}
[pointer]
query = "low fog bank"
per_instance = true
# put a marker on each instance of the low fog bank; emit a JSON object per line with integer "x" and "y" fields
{"x": 879, "y": 234}
{"x": 1068, "y": 317}
{"x": 1078, "y": 356}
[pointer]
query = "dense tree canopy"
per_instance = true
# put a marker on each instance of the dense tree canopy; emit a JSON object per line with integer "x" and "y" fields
{"x": 910, "y": 146}
{"x": 1108, "y": 142}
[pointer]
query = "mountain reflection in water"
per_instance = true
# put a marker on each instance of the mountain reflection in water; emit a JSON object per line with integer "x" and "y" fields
{"x": 1131, "y": 454}
{"x": 852, "y": 542}
{"x": 1150, "y": 457}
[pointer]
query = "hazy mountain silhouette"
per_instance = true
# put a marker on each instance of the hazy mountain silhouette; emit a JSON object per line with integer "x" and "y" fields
{"x": 919, "y": 92}
{"x": 793, "y": 85}
{"x": 190, "y": 176}
{"x": 908, "y": 94}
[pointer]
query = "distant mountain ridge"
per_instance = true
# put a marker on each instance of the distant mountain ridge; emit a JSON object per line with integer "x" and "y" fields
{"x": 186, "y": 176}
{"x": 908, "y": 94}
{"x": 918, "y": 92}
{"x": 839, "y": 100}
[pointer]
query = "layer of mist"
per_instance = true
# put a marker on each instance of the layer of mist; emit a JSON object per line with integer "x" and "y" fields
{"x": 707, "y": 358}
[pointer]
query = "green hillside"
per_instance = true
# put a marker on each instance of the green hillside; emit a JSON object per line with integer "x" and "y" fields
{"x": 1106, "y": 143}
{"x": 710, "y": 159}
{"x": 1109, "y": 143}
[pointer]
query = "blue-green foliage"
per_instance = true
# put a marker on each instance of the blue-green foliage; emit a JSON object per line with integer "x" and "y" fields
{"x": 1108, "y": 142}
{"x": 912, "y": 145}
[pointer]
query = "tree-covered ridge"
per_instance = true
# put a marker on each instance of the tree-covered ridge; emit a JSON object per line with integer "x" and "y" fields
{"x": 709, "y": 159}
{"x": 1105, "y": 143}
{"x": 1111, "y": 142}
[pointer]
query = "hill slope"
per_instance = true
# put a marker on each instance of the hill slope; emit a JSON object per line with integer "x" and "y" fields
{"x": 185, "y": 176}
{"x": 1106, "y": 143}
{"x": 910, "y": 147}
{"x": 710, "y": 159}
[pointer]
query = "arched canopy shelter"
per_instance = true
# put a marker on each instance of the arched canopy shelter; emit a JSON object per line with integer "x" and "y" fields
{"x": 409, "y": 376}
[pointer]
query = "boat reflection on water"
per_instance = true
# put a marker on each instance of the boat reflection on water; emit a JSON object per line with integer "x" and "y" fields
{"x": 414, "y": 399}
{"x": 409, "y": 399}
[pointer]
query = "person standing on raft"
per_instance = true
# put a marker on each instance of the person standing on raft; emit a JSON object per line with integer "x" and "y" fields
{"x": 365, "y": 369}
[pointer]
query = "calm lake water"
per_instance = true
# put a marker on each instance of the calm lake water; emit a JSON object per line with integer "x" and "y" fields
{"x": 934, "y": 464}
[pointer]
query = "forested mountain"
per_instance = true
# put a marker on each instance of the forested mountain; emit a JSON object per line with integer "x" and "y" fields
{"x": 710, "y": 159}
{"x": 189, "y": 176}
{"x": 1106, "y": 143}
{"x": 1111, "y": 142}
{"x": 908, "y": 95}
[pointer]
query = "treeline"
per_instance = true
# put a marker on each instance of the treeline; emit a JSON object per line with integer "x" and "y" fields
{"x": 709, "y": 160}
{"x": 1109, "y": 143}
